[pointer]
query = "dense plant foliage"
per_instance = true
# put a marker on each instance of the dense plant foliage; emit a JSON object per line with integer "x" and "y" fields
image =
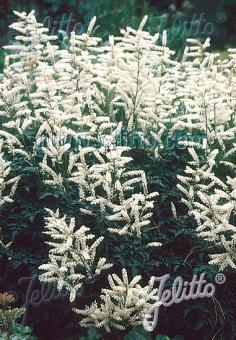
{"x": 9, "y": 329}
{"x": 118, "y": 164}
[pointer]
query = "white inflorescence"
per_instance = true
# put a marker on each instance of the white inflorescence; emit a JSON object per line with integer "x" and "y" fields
{"x": 125, "y": 303}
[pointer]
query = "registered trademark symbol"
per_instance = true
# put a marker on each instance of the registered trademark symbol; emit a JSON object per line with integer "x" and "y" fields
{"x": 221, "y": 17}
{"x": 220, "y": 278}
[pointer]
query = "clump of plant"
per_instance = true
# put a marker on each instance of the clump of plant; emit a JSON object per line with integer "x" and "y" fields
{"x": 9, "y": 328}
{"x": 117, "y": 215}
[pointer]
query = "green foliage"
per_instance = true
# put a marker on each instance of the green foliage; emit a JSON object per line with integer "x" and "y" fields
{"x": 139, "y": 334}
{"x": 92, "y": 334}
{"x": 19, "y": 332}
{"x": 9, "y": 329}
{"x": 1, "y": 60}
